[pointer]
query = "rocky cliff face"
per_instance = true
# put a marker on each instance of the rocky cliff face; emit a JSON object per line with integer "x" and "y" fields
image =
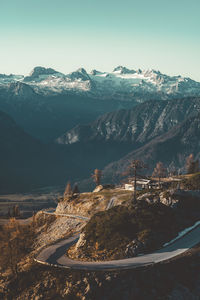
{"x": 137, "y": 126}
{"x": 171, "y": 148}
{"x": 87, "y": 204}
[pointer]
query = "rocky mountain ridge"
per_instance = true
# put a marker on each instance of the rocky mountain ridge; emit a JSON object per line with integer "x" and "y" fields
{"x": 122, "y": 84}
{"x": 27, "y": 163}
{"x": 137, "y": 126}
{"x": 171, "y": 148}
{"x": 47, "y": 117}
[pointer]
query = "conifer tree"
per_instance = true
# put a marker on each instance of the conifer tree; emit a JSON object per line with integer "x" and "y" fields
{"x": 68, "y": 190}
{"x": 17, "y": 211}
{"x": 75, "y": 189}
{"x": 192, "y": 166}
{"x": 132, "y": 170}
{"x": 9, "y": 212}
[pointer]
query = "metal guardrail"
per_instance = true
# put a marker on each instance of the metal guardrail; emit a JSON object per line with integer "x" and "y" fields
{"x": 111, "y": 203}
{"x": 66, "y": 215}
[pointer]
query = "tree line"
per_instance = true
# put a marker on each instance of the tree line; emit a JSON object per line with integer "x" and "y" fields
{"x": 160, "y": 171}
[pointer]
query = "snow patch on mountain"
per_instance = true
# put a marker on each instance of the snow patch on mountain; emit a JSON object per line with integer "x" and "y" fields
{"x": 122, "y": 83}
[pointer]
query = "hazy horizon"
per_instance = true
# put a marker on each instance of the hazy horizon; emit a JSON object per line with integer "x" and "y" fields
{"x": 100, "y": 35}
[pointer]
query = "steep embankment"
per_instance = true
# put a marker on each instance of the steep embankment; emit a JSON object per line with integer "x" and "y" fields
{"x": 171, "y": 148}
{"x": 48, "y": 116}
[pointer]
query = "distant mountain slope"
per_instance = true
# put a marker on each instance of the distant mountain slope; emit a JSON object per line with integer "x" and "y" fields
{"x": 27, "y": 163}
{"x": 171, "y": 148}
{"x": 135, "y": 126}
{"x": 19, "y": 155}
{"x": 47, "y": 103}
{"x": 48, "y": 117}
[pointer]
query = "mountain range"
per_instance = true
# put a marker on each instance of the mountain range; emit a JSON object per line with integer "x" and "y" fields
{"x": 120, "y": 84}
{"x": 56, "y": 127}
{"x": 135, "y": 126}
{"x": 166, "y": 131}
{"x": 171, "y": 148}
{"x": 47, "y": 117}
{"x": 28, "y": 163}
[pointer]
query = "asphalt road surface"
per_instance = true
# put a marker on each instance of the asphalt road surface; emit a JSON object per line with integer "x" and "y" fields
{"x": 55, "y": 255}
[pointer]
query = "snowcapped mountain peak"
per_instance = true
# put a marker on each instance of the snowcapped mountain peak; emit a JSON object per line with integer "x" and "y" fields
{"x": 6, "y": 79}
{"x": 151, "y": 72}
{"x": 120, "y": 84}
{"x": 80, "y": 74}
{"x": 95, "y": 72}
{"x": 82, "y": 70}
{"x": 42, "y": 71}
{"x": 123, "y": 70}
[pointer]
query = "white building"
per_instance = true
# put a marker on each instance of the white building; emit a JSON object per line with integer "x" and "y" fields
{"x": 140, "y": 184}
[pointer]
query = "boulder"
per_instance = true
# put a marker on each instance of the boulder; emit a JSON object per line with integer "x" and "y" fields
{"x": 81, "y": 242}
{"x": 101, "y": 187}
{"x": 133, "y": 248}
{"x": 98, "y": 188}
{"x": 149, "y": 197}
{"x": 169, "y": 198}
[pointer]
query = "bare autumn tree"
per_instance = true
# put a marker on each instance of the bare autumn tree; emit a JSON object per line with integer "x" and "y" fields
{"x": 189, "y": 163}
{"x": 96, "y": 176}
{"x": 192, "y": 166}
{"x": 68, "y": 190}
{"x": 9, "y": 212}
{"x": 75, "y": 189}
{"x": 159, "y": 171}
{"x": 17, "y": 211}
{"x": 132, "y": 170}
{"x": 16, "y": 241}
{"x": 13, "y": 211}
{"x": 196, "y": 166}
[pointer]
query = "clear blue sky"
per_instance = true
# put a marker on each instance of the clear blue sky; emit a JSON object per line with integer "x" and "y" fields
{"x": 100, "y": 34}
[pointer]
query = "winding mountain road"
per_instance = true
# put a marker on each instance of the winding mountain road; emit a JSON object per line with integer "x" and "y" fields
{"x": 55, "y": 255}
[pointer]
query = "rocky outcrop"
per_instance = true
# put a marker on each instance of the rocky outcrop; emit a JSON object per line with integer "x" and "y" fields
{"x": 138, "y": 125}
{"x": 85, "y": 204}
{"x": 101, "y": 187}
{"x": 98, "y": 189}
{"x": 170, "y": 198}
{"x": 40, "y": 71}
{"x": 78, "y": 249}
{"x": 149, "y": 197}
{"x": 171, "y": 148}
{"x": 134, "y": 248}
